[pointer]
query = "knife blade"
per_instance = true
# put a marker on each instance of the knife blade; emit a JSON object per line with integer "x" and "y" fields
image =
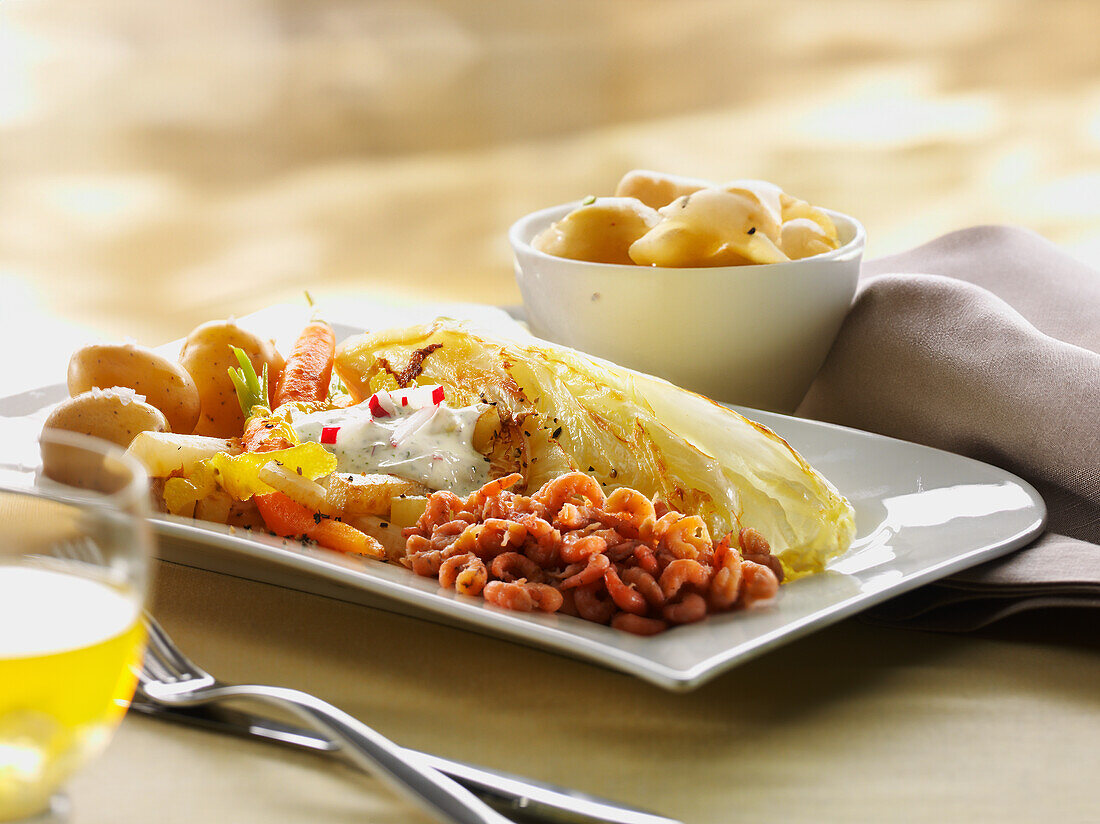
{"x": 522, "y": 799}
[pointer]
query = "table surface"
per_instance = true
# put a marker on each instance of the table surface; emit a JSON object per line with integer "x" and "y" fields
{"x": 165, "y": 164}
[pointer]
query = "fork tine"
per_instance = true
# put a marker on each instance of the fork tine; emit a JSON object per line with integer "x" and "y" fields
{"x": 153, "y": 669}
{"x": 167, "y": 653}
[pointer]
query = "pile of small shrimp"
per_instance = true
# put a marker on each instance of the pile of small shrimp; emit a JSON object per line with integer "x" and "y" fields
{"x": 620, "y": 559}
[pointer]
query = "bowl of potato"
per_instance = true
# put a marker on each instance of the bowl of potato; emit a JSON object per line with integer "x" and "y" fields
{"x": 736, "y": 291}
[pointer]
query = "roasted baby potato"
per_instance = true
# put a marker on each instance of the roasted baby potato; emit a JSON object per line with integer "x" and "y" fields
{"x": 600, "y": 231}
{"x": 207, "y": 356}
{"x": 165, "y": 385}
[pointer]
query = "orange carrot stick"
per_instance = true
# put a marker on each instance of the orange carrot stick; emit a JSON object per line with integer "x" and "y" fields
{"x": 308, "y": 369}
{"x": 263, "y": 435}
{"x": 290, "y": 519}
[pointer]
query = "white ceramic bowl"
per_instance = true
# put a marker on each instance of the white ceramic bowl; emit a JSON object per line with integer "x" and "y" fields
{"x": 752, "y": 335}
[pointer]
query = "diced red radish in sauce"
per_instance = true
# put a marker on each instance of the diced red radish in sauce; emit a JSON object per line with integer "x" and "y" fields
{"x": 383, "y": 404}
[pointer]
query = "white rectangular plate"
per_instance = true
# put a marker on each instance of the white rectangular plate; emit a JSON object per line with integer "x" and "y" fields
{"x": 921, "y": 514}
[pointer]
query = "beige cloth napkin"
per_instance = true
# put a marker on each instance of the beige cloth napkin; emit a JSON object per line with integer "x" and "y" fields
{"x": 985, "y": 342}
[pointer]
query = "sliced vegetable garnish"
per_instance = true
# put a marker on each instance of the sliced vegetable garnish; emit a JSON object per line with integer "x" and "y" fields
{"x": 181, "y": 494}
{"x": 251, "y": 388}
{"x": 383, "y": 403}
{"x": 380, "y": 405}
{"x": 240, "y": 475}
{"x": 412, "y": 424}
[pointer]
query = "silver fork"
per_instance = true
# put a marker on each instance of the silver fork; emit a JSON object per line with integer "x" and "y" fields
{"x": 169, "y": 677}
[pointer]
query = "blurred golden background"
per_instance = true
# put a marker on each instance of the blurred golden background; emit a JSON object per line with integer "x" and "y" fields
{"x": 166, "y": 163}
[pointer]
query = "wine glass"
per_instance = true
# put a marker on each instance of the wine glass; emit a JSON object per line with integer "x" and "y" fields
{"x": 74, "y": 548}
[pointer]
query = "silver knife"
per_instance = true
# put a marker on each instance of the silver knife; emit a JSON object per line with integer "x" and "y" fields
{"x": 521, "y": 799}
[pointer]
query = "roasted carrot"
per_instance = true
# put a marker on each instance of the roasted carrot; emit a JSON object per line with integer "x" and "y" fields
{"x": 290, "y": 519}
{"x": 263, "y": 434}
{"x": 308, "y": 369}
{"x": 305, "y": 378}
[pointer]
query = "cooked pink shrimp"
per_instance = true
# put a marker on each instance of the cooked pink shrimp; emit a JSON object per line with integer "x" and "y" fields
{"x": 498, "y": 534}
{"x": 568, "y": 602}
{"x": 622, "y": 550}
{"x": 635, "y": 508}
{"x": 577, "y": 547}
{"x": 492, "y": 489}
{"x": 758, "y": 583}
{"x": 725, "y": 586}
{"x": 638, "y": 625}
{"x": 547, "y": 598}
{"x": 543, "y": 542}
{"x": 754, "y": 547}
{"x": 427, "y": 563}
{"x": 441, "y": 508}
{"x": 512, "y": 566}
{"x": 593, "y": 571}
{"x": 572, "y": 487}
{"x": 523, "y": 505}
{"x": 522, "y": 596}
{"x": 446, "y": 534}
{"x": 569, "y": 517}
{"x": 753, "y": 543}
{"x": 683, "y": 571}
{"x": 466, "y": 573}
{"x": 593, "y": 603}
{"x": 509, "y": 595}
{"x": 499, "y": 506}
{"x": 684, "y": 537}
{"x": 646, "y": 559}
{"x": 646, "y": 584}
{"x": 625, "y": 596}
{"x": 689, "y": 609}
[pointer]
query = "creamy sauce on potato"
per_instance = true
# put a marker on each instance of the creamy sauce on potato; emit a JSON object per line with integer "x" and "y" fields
{"x": 678, "y": 222}
{"x": 432, "y": 445}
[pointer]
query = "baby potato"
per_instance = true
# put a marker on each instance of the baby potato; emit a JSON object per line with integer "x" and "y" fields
{"x": 207, "y": 357}
{"x": 600, "y": 231}
{"x": 116, "y": 415}
{"x": 793, "y": 208}
{"x": 769, "y": 196}
{"x": 803, "y": 238}
{"x": 656, "y": 189}
{"x": 165, "y": 385}
{"x": 711, "y": 227}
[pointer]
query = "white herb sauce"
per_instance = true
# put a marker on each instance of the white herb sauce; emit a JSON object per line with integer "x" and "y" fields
{"x": 432, "y": 445}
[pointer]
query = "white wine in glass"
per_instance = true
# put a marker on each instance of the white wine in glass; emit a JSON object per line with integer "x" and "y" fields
{"x": 74, "y": 548}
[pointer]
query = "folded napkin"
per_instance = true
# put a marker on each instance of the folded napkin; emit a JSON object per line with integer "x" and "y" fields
{"x": 985, "y": 342}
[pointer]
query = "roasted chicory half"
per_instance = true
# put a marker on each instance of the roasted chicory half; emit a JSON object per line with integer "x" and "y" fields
{"x": 554, "y": 410}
